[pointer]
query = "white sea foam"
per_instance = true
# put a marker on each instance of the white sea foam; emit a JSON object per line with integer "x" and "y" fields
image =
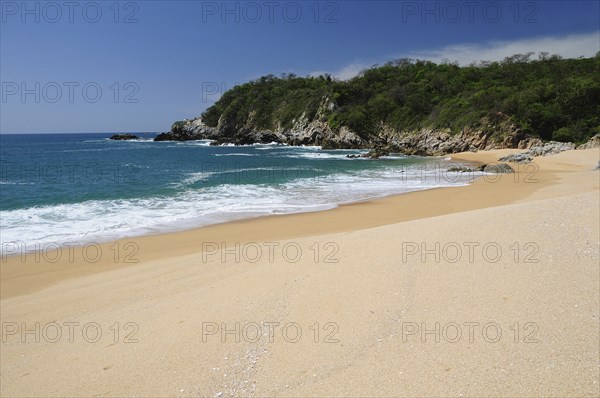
{"x": 192, "y": 178}
{"x": 235, "y": 154}
{"x": 268, "y": 147}
{"x": 95, "y": 221}
{"x": 15, "y": 183}
{"x": 102, "y": 220}
{"x": 196, "y": 143}
{"x": 321, "y": 155}
{"x": 139, "y": 140}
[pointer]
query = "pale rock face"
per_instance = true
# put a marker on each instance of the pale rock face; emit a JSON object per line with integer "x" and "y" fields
{"x": 593, "y": 142}
{"x": 348, "y": 135}
{"x": 427, "y": 142}
{"x": 540, "y": 149}
{"x": 197, "y": 123}
{"x": 550, "y": 148}
{"x": 517, "y": 158}
{"x": 530, "y": 142}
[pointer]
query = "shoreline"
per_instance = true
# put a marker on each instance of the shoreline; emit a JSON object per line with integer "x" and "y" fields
{"x": 157, "y": 322}
{"x": 172, "y": 230}
{"x": 17, "y": 279}
{"x": 196, "y": 223}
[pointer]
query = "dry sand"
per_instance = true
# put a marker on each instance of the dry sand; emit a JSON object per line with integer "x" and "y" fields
{"x": 487, "y": 290}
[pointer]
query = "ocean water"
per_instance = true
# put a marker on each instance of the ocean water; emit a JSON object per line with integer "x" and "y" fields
{"x": 81, "y": 188}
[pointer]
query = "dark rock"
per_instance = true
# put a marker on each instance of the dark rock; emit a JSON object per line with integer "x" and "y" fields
{"x": 517, "y": 158}
{"x": 180, "y": 136}
{"x": 163, "y": 137}
{"x": 377, "y": 152}
{"x": 124, "y": 137}
{"x": 499, "y": 168}
{"x": 374, "y": 153}
{"x": 460, "y": 169}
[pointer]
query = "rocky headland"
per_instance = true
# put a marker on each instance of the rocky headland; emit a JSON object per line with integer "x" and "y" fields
{"x": 414, "y": 107}
{"x": 124, "y": 137}
{"x": 426, "y": 142}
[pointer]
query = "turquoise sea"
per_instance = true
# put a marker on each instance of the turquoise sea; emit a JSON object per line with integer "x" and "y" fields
{"x": 81, "y": 188}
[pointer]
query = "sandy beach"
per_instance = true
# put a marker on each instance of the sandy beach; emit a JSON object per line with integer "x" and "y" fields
{"x": 491, "y": 289}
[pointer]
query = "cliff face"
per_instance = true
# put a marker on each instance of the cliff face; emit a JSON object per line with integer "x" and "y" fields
{"x": 317, "y": 131}
{"x": 412, "y": 107}
{"x": 304, "y": 131}
{"x": 426, "y": 142}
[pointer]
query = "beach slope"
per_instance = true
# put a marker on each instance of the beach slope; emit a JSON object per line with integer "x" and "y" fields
{"x": 487, "y": 290}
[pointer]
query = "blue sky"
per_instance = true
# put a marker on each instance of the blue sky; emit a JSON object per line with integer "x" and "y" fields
{"x": 110, "y": 66}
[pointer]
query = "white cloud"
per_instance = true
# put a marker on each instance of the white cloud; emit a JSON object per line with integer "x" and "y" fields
{"x": 571, "y": 46}
{"x": 347, "y": 72}
{"x": 350, "y": 71}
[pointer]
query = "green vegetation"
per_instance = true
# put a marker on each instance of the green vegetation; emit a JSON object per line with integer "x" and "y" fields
{"x": 271, "y": 100}
{"x": 549, "y": 97}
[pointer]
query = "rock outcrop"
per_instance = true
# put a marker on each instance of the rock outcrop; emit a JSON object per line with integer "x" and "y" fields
{"x": 550, "y": 148}
{"x": 124, "y": 137}
{"x": 426, "y": 142}
{"x": 593, "y": 142}
{"x": 189, "y": 130}
{"x": 461, "y": 169}
{"x": 374, "y": 153}
{"x": 543, "y": 149}
{"x": 500, "y": 168}
{"x": 517, "y": 158}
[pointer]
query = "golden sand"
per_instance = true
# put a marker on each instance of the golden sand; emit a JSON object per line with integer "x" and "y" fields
{"x": 486, "y": 290}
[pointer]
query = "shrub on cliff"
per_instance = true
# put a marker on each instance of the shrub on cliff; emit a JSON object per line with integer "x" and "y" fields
{"x": 563, "y": 134}
{"x": 550, "y": 97}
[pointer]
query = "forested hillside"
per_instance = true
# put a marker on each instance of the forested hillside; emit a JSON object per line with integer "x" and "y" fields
{"x": 544, "y": 96}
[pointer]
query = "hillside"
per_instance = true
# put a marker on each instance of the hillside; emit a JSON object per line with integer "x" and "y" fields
{"x": 405, "y": 103}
